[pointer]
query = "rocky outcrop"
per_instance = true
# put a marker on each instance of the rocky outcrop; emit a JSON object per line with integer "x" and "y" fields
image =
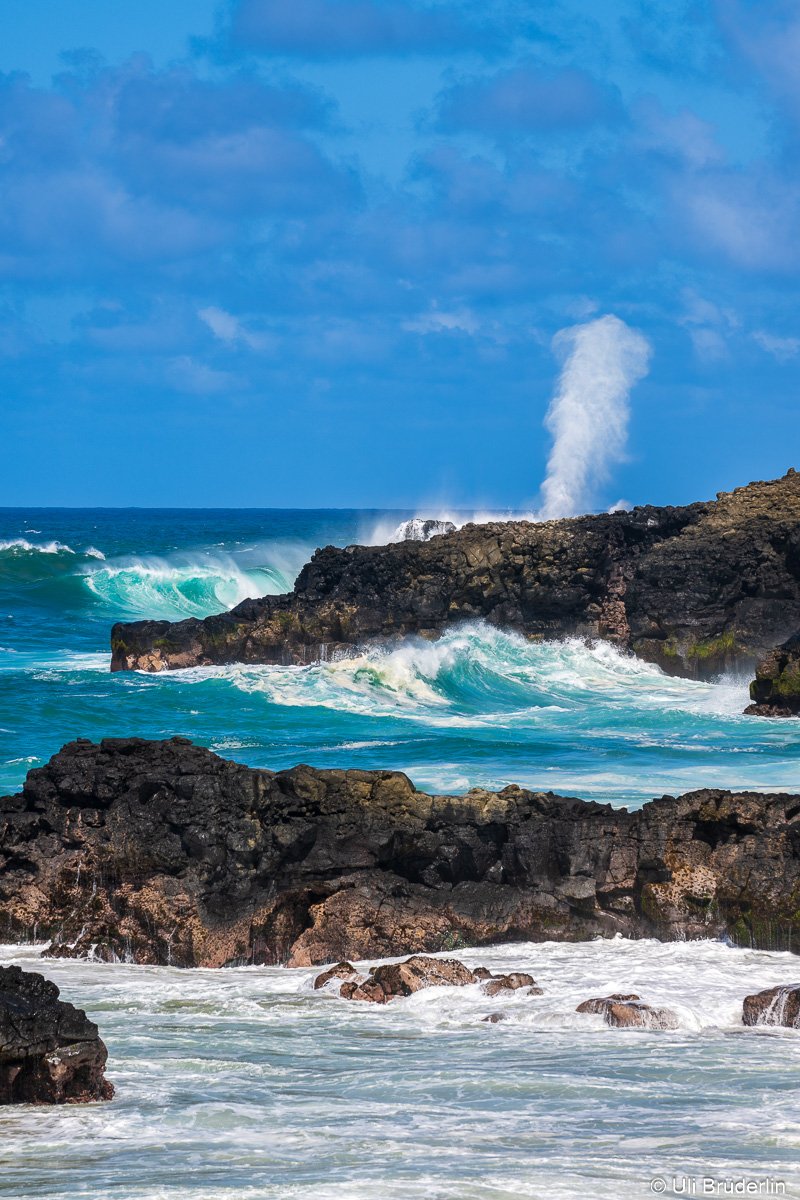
{"x": 388, "y": 981}
{"x": 695, "y": 589}
{"x": 497, "y": 984}
{"x": 775, "y": 1006}
{"x": 162, "y": 852}
{"x": 775, "y": 691}
{"x": 392, "y": 980}
{"x": 629, "y": 1012}
{"x": 50, "y": 1053}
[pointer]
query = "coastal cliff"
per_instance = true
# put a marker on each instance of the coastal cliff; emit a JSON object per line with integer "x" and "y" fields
{"x": 162, "y": 852}
{"x": 697, "y": 589}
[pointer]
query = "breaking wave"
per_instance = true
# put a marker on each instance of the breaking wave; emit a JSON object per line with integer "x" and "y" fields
{"x": 478, "y": 675}
{"x": 191, "y": 584}
{"x": 167, "y": 590}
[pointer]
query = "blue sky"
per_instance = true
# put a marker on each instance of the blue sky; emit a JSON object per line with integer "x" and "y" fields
{"x": 314, "y": 252}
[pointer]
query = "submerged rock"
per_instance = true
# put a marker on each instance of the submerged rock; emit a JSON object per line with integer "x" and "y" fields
{"x": 775, "y": 691}
{"x": 775, "y": 1006}
{"x": 697, "y": 590}
{"x": 50, "y": 1052}
{"x": 628, "y": 1011}
{"x": 162, "y": 852}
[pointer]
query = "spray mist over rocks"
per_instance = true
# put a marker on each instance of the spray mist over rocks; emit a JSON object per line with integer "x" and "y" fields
{"x": 588, "y": 415}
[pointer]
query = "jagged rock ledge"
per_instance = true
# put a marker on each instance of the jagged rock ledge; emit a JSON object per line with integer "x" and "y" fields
{"x": 162, "y": 852}
{"x": 696, "y": 589}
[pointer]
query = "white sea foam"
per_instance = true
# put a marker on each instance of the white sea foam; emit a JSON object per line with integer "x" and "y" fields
{"x": 476, "y": 674}
{"x": 23, "y": 546}
{"x": 248, "y": 1083}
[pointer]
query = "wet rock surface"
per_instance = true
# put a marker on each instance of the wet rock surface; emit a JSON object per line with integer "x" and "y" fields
{"x": 775, "y": 1006}
{"x": 775, "y": 691}
{"x": 50, "y": 1052}
{"x": 628, "y": 1011}
{"x": 422, "y": 529}
{"x": 697, "y": 589}
{"x": 391, "y": 980}
{"x": 162, "y": 852}
{"x": 511, "y": 983}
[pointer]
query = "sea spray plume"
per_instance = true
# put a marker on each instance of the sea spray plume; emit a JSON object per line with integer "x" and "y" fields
{"x": 588, "y": 415}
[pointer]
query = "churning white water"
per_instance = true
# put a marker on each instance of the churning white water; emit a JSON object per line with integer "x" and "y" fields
{"x": 249, "y": 1084}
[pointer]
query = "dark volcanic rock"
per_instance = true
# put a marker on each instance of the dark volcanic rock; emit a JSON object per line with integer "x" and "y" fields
{"x": 695, "y": 589}
{"x": 50, "y": 1053}
{"x": 628, "y": 1012}
{"x": 164, "y": 853}
{"x": 775, "y": 1006}
{"x": 775, "y": 691}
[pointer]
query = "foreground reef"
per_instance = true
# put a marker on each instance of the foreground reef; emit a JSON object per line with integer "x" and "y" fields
{"x": 162, "y": 852}
{"x": 697, "y": 590}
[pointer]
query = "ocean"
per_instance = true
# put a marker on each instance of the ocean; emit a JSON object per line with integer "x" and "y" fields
{"x": 246, "y": 1082}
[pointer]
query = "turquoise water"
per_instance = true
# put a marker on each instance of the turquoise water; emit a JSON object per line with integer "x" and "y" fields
{"x": 480, "y": 706}
{"x": 247, "y": 1083}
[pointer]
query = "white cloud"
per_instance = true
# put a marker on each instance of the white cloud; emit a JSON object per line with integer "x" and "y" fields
{"x": 436, "y": 321}
{"x": 229, "y": 329}
{"x": 188, "y": 375}
{"x": 708, "y": 326}
{"x": 781, "y": 348}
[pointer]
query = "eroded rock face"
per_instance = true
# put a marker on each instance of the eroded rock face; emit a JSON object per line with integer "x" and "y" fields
{"x": 696, "y": 589}
{"x": 775, "y": 691}
{"x": 775, "y": 1006}
{"x": 627, "y": 1011}
{"x": 50, "y": 1052}
{"x": 163, "y": 852}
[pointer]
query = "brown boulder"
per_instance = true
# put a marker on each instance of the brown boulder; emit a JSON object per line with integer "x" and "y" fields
{"x": 390, "y": 980}
{"x": 510, "y": 983}
{"x": 342, "y": 970}
{"x": 775, "y": 1006}
{"x": 627, "y": 1011}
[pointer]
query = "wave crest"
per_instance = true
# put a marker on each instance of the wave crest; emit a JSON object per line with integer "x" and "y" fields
{"x": 477, "y": 675}
{"x": 166, "y": 590}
